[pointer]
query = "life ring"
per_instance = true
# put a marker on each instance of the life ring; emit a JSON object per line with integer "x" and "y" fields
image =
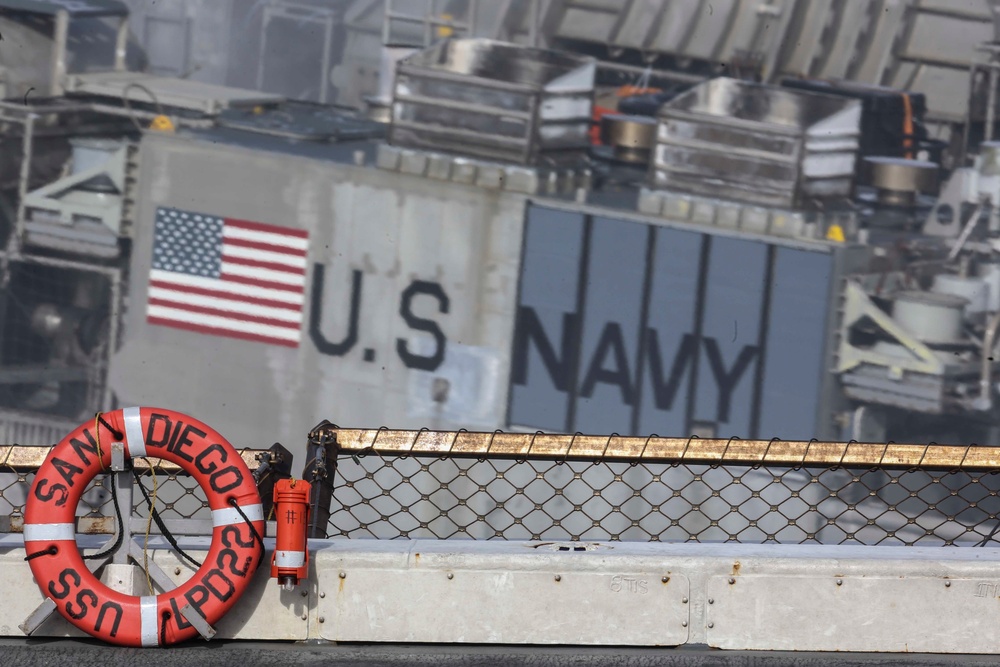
{"x": 50, "y": 528}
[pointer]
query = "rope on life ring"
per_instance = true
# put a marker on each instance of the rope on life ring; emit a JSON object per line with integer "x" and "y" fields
{"x": 150, "y": 620}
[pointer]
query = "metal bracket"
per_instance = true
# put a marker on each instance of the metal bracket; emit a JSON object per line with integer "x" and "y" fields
{"x": 123, "y": 488}
{"x": 37, "y": 617}
{"x": 117, "y": 457}
{"x": 275, "y": 463}
{"x": 321, "y": 454}
{"x": 857, "y": 305}
{"x": 957, "y": 190}
{"x": 48, "y": 606}
{"x": 55, "y": 216}
{"x": 151, "y": 568}
{"x": 192, "y": 616}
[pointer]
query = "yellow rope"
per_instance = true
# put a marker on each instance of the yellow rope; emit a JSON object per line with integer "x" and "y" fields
{"x": 149, "y": 521}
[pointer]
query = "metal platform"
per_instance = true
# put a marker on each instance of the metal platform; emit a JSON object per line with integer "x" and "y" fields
{"x": 170, "y": 92}
{"x": 75, "y": 8}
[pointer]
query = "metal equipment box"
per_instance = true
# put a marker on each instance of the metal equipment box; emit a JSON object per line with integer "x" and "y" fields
{"x": 494, "y": 100}
{"x": 757, "y": 143}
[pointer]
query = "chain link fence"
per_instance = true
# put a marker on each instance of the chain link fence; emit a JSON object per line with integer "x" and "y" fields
{"x": 14, "y": 485}
{"x": 386, "y": 495}
{"x": 431, "y": 497}
{"x": 176, "y": 495}
{"x": 391, "y": 492}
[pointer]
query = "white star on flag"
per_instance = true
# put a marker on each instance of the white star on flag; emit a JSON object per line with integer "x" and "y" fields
{"x": 228, "y": 277}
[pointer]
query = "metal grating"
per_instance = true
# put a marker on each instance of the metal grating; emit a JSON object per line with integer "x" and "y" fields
{"x": 406, "y": 484}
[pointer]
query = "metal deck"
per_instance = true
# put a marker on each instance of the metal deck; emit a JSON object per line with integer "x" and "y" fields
{"x": 29, "y": 653}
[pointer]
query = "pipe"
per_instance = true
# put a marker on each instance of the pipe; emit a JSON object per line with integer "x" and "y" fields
{"x": 966, "y": 232}
{"x": 985, "y": 400}
{"x": 319, "y": 471}
{"x": 17, "y": 233}
{"x": 59, "y": 39}
{"x": 991, "y": 101}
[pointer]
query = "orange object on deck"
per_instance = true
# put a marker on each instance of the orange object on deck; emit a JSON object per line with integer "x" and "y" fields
{"x": 290, "y": 563}
{"x": 907, "y": 127}
{"x": 595, "y": 127}
{"x": 630, "y": 91}
{"x": 599, "y": 111}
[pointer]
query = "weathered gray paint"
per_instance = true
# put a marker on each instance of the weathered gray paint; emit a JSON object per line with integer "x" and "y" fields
{"x": 793, "y": 372}
{"x": 393, "y": 229}
{"x": 730, "y": 596}
{"x": 613, "y": 300}
{"x": 672, "y": 307}
{"x": 734, "y": 291}
{"x": 549, "y": 282}
{"x": 681, "y": 355}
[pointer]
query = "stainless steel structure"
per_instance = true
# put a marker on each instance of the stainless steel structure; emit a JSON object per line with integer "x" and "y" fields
{"x": 494, "y": 100}
{"x": 449, "y": 315}
{"x": 34, "y": 57}
{"x": 920, "y": 45}
{"x": 478, "y": 263}
{"x": 762, "y": 145}
{"x": 463, "y": 273}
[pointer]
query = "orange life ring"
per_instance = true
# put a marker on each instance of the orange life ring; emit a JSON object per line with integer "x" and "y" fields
{"x": 55, "y": 559}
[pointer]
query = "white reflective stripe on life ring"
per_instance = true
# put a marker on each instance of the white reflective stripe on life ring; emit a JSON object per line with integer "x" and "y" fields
{"x": 49, "y": 532}
{"x": 150, "y": 628}
{"x": 228, "y": 515}
{"x": 289, "y": 558}
{"x": 133, "y": 433}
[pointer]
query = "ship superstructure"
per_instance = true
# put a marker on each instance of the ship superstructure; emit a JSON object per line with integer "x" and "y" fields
{"x": 766, "y": 232}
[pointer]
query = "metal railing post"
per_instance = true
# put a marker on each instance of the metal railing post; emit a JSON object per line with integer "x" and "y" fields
{"x": 319, "y": 471}
{"x": 275, "y": 464}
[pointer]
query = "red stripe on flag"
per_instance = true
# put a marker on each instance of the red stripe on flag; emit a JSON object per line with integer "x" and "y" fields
{"x": 239, "y": 317}
{"x": 197, "y": 328}
{"x": 245, "y": 298}
{"x": 269, "y": 247}
{"x": 296, "y": 289}
{"x": 257, "y": 264}
{"x": 270, "y": 229}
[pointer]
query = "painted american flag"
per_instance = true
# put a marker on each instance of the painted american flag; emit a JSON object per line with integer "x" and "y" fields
{"x": 227, "y": 277}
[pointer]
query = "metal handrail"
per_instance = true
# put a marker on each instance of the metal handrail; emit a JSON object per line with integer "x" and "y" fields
{"x": 28, "y": 458}
{"x": 662, "y": 450}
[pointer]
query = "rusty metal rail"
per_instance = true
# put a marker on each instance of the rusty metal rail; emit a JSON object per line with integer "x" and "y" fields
{"x": 28, "y": 458}
{"x": 530, "y": 486}
{"x": 655, "y": 449}
{"x": 409, "y": 484}
{"x": 181, "y": 502}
